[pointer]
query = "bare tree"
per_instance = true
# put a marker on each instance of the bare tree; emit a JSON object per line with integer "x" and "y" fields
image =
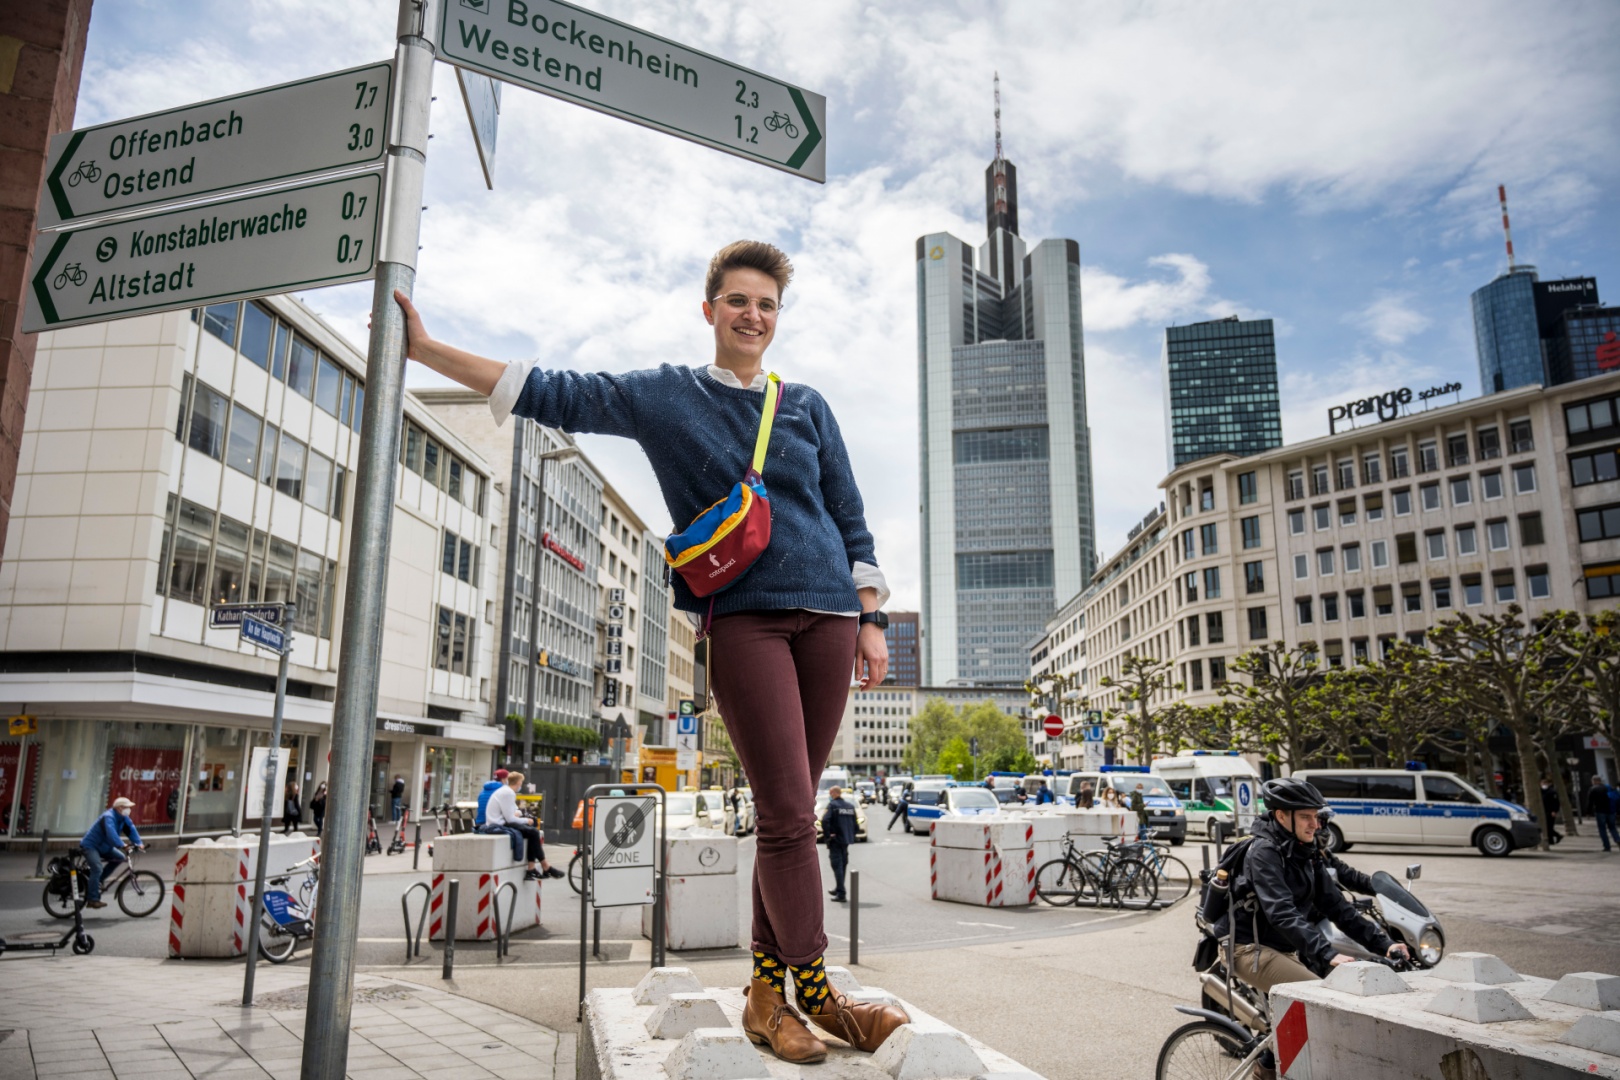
{"x": 1276, "y": 706}
{"x": 1141, "y": 679}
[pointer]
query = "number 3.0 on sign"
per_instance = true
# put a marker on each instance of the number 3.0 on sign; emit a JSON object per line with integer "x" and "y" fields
{"x": 321, "y": 233}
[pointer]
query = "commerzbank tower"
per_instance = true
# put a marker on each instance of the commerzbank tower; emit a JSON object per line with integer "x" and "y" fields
{"x": 1007, "y": 519}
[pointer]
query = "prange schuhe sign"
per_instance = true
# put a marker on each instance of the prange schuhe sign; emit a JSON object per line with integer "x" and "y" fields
{"x": 1387, "y": 405}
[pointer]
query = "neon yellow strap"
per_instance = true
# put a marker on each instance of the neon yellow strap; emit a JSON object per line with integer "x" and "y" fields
{"x": 772, "y": 389}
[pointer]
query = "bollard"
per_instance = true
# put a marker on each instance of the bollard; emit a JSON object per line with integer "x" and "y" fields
{"x": 596, "y": 936}
{"x": 1205, "y": 849}
{"x": 854, "y": 917}
{"x": 450, "y": 928}
{"x": 39, "y": 864}
{"x": 416, "y": 849}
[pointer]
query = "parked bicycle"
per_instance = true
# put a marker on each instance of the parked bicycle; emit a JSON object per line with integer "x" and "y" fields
{"x": 1092, "y": 877}
{"x": 1173, "y": 878}
{"x": 286, "y": 920}
{"x": 138, "y": 892}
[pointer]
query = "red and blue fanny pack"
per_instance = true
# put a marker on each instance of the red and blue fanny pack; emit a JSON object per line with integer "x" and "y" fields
{"x": 719, "y": 546}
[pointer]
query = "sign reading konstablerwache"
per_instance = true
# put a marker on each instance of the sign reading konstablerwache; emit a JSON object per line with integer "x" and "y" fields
{"x": 619, "y": 69}
{"x": 279, "y": 133}
{"x": 322, "y": 233}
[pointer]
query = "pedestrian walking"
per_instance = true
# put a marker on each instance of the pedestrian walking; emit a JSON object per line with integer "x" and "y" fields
{"x": 1600, "y": 800}
{"x": 1086, "y": 798}
{"x": 317, "y": 807}
{"x": 292, "y": 812}
{"x": 790, "y": 611}
{"x": 1043, "y": 794}
{"x": 103, "y": 846}
{"x": 838, "y": 827}
{"x": 397, "y": 794}
{"x": 900, "y": 806}
{"x": 1551, "y": 805}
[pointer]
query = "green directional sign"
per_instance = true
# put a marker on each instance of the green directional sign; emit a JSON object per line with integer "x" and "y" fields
{"x": 297, "y": 129}
{"x": 321, "y": 233}
{"x": 612, "y": 67}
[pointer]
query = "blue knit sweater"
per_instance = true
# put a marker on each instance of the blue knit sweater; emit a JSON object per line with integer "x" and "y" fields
{"x": 699, "y": 438}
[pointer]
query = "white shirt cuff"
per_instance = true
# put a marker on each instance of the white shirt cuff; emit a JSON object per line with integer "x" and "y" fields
{"x": 505, "y": 394}
{"x": 868, "y": 576}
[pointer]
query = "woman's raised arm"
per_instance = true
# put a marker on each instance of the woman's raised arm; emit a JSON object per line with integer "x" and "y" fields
{"x": 469, "y": 369}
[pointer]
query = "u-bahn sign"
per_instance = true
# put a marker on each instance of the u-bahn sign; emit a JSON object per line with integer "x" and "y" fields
{"x": 615, "y": 68}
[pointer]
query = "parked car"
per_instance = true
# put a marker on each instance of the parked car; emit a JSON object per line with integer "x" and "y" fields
{"x": 950, "y": 802}
{"x": 1398, "y": 806}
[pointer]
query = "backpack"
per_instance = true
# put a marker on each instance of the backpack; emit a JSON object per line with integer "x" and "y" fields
{"x": 1214, "y": 903}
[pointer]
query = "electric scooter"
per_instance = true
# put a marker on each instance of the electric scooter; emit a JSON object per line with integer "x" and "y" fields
{"x": 1401, "y": 915}
{"x": 49, "y": 941}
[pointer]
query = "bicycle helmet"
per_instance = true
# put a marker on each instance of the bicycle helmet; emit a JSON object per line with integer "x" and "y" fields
{"x": 1288, "y": 793}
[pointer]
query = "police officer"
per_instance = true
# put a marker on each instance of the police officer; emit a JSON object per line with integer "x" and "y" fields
{"x": 838, "y": 826}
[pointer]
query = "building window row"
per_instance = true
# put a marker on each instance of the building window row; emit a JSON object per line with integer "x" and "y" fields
{"x": 1342, "y": 474}
{"x": 273, "y": 345}
{"x": 438, "y": 465}
{"x": 455, "y": 652}
{"x": 460, "y": 558}
{"x": 1502, "y": 583}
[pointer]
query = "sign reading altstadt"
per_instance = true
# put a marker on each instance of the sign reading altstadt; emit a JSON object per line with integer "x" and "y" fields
{"x": 322, "y": 233}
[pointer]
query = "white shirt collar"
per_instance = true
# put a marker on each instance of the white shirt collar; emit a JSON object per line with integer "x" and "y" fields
{"x": 726, "y": 378}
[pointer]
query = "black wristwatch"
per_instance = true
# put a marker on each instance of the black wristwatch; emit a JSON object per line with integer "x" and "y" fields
{"x": 876, "y": 618}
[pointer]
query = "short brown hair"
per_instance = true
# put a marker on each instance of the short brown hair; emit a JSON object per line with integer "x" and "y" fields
{"x": 748, "y": 255}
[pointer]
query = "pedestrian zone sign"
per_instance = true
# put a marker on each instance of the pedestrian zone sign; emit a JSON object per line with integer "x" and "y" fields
{"x": 623, "y": 862}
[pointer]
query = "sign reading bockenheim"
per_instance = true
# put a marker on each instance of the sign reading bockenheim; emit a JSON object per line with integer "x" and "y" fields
{"x": 279, "y": 133}
{"x": 321, "y": 233}
{"x": 612, "y": 67}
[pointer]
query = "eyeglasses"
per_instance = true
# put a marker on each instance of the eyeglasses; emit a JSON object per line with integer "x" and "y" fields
{"x": 739, "y": 302}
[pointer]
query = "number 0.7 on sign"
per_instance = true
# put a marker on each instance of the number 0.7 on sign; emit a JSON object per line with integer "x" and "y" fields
{"x": 278, "y": 133}
{"x": 322, "y": 233}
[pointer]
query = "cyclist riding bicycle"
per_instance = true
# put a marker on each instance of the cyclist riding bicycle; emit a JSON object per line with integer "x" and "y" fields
{"x": 103, "y": 846}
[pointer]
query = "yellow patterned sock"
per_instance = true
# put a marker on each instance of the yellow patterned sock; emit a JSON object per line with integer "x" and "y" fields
{"x": 811, "y": 980}
{"x": 768, "y": 969}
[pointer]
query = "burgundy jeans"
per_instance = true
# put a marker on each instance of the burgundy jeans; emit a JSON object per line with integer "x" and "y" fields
{"x": 781, "y": 679}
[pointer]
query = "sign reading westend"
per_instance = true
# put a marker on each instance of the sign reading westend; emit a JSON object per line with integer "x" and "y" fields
{"x": 612, "y": 67}
{"x": 322, "y": 233}
{"x": 279, "y": 133}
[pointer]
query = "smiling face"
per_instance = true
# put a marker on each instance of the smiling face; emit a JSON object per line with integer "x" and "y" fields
{"x": 741, "y": 337}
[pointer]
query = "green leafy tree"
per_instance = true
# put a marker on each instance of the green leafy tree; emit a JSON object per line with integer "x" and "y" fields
{"x": 1198, "y": 727}
{"x": 1513, "y": 674}
{"x": 1010, "y": 760}
{"x": 956, "y": 760}
{"x": 930, "y": 730}
{"x": 1596, "y": 648}
{"x": 1276, "y": 711}
{"x": 1141, "y": 680}
{"x": 997, "y": 732}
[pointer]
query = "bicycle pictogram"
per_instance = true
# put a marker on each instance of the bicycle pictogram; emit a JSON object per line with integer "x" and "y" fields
{"x": 782, "y": 121}
{"x": 87, "y": 171}
{"x": 71, "y": 272}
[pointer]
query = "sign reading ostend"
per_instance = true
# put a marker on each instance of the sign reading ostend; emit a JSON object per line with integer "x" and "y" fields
{"x": 612, "y": 67}
{"x": 278, "y": 133}
{"x": 321, "y": 233}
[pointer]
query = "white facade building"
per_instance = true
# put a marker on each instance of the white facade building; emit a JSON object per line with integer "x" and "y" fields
{"x": 173, "y": 461}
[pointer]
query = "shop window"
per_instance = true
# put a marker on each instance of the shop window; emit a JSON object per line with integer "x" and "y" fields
{"x": 215, "y": 777}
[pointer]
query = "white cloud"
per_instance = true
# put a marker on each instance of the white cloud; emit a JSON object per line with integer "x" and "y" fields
{"x": 1389, "y": 320}
{"x": 1307, "y": 395}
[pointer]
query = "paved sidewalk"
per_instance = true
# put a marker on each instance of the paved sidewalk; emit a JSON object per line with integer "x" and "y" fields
{"x": 113, "y": 1018}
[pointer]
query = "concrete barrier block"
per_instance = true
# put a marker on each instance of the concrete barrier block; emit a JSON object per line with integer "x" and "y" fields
{"x": 843, "y": 980}
{"x": 1096, "y": 822}
{"x": 699, "y": 913}
{"x": 986, "y": 878}
{"x": 927, "y": 1050}
{"x": 696, "y": 852}
{"x": 477, "y": 899}
{"x": 1587, "y": 990}
{"x": 1474, "y": 967}
{"x": 681, "y": 1013}
{"x": 472, "y": 853}
{"x": 658, "y": 984}
{"x": 1599, "y": 1033}
{"x": 221, "y": 862}
{"x": 1478, "y": 1004}
{"x": 1365, "y": 979}
{"x": 1048, "y": 828}
{"x": 716, "y": 1054}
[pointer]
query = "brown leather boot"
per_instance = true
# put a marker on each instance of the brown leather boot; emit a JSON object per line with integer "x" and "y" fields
{"x": 862, "y": 1024}
{"x": 768, "y": 1020}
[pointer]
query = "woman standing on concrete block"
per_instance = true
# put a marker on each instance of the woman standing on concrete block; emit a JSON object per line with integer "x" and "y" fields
{"x": 786, "y": 633}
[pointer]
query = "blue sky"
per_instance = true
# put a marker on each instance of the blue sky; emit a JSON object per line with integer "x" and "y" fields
{"x": 1333, "y": 167}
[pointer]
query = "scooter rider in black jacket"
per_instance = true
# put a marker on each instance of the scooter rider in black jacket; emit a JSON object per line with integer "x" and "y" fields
{"x": 1285, "y": 872}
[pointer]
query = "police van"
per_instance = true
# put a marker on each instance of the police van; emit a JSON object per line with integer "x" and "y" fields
{"x": 1416, "y": 806}
{"x": 1202, "y": 780}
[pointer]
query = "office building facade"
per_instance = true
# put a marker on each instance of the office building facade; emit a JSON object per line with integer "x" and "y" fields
{"x": 1521, "y": 333}
{"x": 1005, "y": 450}
{"x": 1220, "y": 389}
{"x": 176, "y": 461}
{"x": 905, "y": 656}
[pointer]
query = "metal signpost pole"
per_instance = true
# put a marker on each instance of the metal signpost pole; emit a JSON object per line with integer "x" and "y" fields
{"x": 270, "y": 763}
{"x": 331, "y": 977}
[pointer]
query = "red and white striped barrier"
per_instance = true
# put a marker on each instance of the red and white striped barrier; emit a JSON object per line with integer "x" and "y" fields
{"x": 211, "y": 899}
{"x": 476, "y": 903}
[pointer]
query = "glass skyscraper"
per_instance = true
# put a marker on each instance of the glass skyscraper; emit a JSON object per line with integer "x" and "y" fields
{"x": 1220, "y": 389}
{"x": 1007, "y": 523}
{"x": 1506, "y": 333}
